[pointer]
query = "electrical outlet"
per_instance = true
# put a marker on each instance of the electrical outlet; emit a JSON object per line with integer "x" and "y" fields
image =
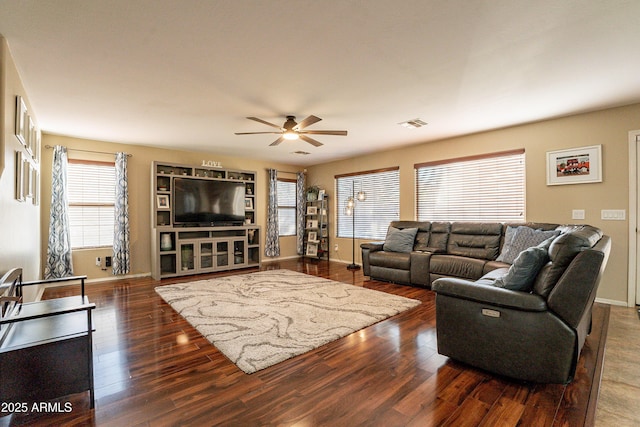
{"x": 98, "y": 262}
{"x": 335, "y": 247}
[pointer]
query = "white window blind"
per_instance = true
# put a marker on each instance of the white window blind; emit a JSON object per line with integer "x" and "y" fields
{"x": 372, "y": 216}
{"x": 483, "y": 188}
{"x": 91, "y": 193}
{"x": 286, "y": 207}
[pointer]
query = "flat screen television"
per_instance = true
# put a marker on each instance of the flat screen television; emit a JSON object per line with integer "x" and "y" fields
{"x": 203, "y": 203}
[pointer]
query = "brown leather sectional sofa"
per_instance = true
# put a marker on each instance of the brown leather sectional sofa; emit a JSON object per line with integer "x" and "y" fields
{"x": 442, "y": 249}
{"x": 532, "y": 335}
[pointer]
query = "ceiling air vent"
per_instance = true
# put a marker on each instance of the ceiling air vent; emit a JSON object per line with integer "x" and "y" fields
{"x": 412, "y": 124}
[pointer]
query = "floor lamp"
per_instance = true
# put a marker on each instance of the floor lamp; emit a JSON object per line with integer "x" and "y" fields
{"x": 350, "y": 210}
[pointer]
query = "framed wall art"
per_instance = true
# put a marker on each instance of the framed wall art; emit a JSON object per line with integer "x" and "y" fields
{"x": 580, "y": 165}
{"x": 19, "y": 183}
{"x": 21, "y": 120}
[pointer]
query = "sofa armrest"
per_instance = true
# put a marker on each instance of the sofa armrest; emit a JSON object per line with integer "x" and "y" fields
{"x": 367, "y": 248}
{"x": 372, "y": 246}
{"x": 491, "y": 295}
{"x": 419, "y": 270}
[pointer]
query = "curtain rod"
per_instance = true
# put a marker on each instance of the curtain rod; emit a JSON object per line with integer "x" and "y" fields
{"x": 86, "y": 151}
{"x": 279, "y": 171}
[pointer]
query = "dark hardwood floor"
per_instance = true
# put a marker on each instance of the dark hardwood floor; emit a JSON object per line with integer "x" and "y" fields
{"x": 153, "y": 368}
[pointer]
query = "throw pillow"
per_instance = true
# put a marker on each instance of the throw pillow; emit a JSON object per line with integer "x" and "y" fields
{"x": 524, "y": 270}
{"x": 523, "y": 238}
{"x": 508, "y": 239}
{"x": 400, "y": 240}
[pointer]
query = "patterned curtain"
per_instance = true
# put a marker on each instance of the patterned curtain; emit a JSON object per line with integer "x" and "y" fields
{"x": 272, "y": 244}
{"x": 59, "y": 262}
{"x": 121, "y": 256}
{"x": 300, "y": 211}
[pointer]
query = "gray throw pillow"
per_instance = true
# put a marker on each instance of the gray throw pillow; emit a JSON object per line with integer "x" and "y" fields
{"x": 400, "y": 240}
{"x": 508, "y": 239}
{"x": 523, "y": 271}
{"x": 523, "y": 238}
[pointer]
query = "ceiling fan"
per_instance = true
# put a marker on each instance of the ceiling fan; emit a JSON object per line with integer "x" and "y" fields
{"x": 291, "y": 130}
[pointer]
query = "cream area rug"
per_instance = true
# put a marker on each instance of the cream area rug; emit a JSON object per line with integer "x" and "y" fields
{"x": 260, "y": 319}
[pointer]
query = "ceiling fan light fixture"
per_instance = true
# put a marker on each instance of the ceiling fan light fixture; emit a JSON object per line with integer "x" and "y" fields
{"x": 290, "y": 135}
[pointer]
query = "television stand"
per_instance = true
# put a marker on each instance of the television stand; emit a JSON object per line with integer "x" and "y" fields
{"x": 179, "y": 249}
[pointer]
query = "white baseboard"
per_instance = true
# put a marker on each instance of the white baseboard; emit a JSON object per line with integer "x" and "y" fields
{"x": 99, "y": 280}
{"x": 611, "y": 302}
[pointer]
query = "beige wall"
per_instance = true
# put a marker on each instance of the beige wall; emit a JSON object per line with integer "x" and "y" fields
{"x": 139, "y": 174}
{"x": 544, "y": 203}
{"x": 19, "y": 221}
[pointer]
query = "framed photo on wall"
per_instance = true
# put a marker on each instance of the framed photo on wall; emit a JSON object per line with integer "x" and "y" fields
{"x": 580, "y": 165}
{"x": 19, "y": 181}
{"x": 21, "y": 120}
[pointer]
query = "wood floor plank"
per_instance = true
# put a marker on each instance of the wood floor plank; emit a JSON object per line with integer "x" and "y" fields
{"x": 153, "y": 368}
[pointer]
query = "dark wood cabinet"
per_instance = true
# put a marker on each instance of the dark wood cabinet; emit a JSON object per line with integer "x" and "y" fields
{"x": 45, "y": 346}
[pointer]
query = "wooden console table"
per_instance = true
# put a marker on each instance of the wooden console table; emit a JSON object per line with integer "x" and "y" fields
{"x": 45, "y": 346}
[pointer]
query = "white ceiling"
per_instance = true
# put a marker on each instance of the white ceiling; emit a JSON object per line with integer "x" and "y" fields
{"x": 185, "y": 74}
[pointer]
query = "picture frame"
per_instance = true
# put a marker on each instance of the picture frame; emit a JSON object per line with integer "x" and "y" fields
{"x": 21, "y": 116}
{"x": 313, "y": 236}
{"x": 30, "y": 135}
{"x": 312, "y": 223}
{"x": 312, "y": 210}
{"x": 248, "y": 203}
{"x": 19, "y": 178}
{"x": 35, "y": 199}
{"x": 321, "y": 195}
{"x": 580, "y": 165}
{"x": 162, "y": 201}
{"x": 312, "y": 249}
{"x": 27, "y": 179}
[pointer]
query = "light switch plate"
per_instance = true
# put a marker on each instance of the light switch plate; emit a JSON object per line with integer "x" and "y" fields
{"x": 577, "y": 214}
{"x": 613, "y": 214}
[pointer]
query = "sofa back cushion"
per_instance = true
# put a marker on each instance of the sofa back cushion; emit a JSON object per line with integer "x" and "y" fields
{"x": 475, "y": 240}
{"x": 439, "y": 236}
{"x": 563, "y": 249}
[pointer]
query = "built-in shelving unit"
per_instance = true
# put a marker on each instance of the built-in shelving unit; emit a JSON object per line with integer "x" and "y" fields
{"x": 316, "y": 235}
{"x": 178, "y": 250}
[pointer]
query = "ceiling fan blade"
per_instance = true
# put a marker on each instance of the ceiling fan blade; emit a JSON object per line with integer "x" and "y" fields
{"x": 254, "y": 133}
{"x": 324, "y": 132}
{"x": 311, "y": 141}
{"x": 307, "y": 122}
{"x": 264, "y": 122}
{"x": 276, "y": 142}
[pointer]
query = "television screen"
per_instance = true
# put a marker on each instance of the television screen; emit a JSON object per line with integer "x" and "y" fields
{"x": 200, "y": 202}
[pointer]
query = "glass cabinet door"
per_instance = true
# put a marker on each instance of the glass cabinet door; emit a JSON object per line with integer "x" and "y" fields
{"x": 187, "y": 257}
{"x": 222, "y": 254}
{"x": 239, "y": 252}
{"x": 206, "y": 255}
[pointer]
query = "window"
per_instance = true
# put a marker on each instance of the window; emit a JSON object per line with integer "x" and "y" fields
{"x": 482, "y": 188}
{"x": 91, "y": 193}
{"x": 286, "y": 207}
{"x": 372, "y": 216}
